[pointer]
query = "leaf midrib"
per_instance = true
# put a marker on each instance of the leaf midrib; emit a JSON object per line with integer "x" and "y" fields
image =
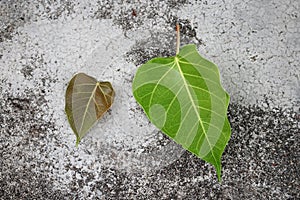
{"x": 86, "y": 109}
{"x": 194, "y": 106}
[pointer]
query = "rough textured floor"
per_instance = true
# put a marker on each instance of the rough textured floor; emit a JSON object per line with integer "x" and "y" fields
{"x": 256, "y": 45}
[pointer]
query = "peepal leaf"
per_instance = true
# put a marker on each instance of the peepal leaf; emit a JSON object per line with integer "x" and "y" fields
{"x": 86, "y": 101}
{"x": 183, "y": 97}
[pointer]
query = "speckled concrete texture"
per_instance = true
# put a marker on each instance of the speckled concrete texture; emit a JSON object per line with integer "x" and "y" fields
{"x": 256, "y": 45}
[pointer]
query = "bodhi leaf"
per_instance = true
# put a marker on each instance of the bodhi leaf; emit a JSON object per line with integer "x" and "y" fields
{"x": 86, "y": 101}
{"x": 183, "y": 97}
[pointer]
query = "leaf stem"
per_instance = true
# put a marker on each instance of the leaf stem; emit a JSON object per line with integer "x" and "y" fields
{"x": 178, "y": 38}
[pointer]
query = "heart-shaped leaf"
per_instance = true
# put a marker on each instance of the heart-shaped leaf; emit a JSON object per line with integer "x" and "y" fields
{"x": 86, "y": 101}
{"x": 183, "y": 97}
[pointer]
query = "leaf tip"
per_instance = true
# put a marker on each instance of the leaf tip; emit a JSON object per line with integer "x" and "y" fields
{"x": 219, "y": 178}
{"x": 219, "y": 173}
{"x": 77, "y": 141}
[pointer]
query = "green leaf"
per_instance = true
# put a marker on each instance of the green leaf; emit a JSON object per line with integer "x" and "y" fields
{"x": 183, "y": 97}
{"x": 86, "y": 102}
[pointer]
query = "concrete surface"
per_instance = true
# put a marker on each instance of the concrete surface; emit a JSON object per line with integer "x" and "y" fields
{"x": 256, "y": 45}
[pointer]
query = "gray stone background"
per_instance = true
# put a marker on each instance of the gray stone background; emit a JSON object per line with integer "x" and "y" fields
{"x": 256, "y": 45}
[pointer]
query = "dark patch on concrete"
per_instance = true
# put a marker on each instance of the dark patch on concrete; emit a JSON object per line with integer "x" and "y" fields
{"x": 260, "y": 162}
{"x": 158, "y": 45}
{"x": 6, "y": 33}
{"x": 16, "y": 13}
{"x": 13, "y": 15}
{"x": 114, "y": 184}
{"x": 187, "y": 31}
{"x": 129, "y": 15}
{"x": 161, "y": 140}
{"x": 80, "y": 179}
{"x": 32, "y": 63}
{"x": 25, "y": 128}
{"x": 104, "y": 10}
{"x": 27, "y": 71}
{"x": 176, "y": 3}
{"x": 161, "y": 44}
{"x": 254, "y": 58}
{"x": 22, "y": 116}
{"x": 127, "y": 21}
{"x": 20, "y": 182}
{"x": 62, "y": 7}
{"x": 265, "y": 146}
